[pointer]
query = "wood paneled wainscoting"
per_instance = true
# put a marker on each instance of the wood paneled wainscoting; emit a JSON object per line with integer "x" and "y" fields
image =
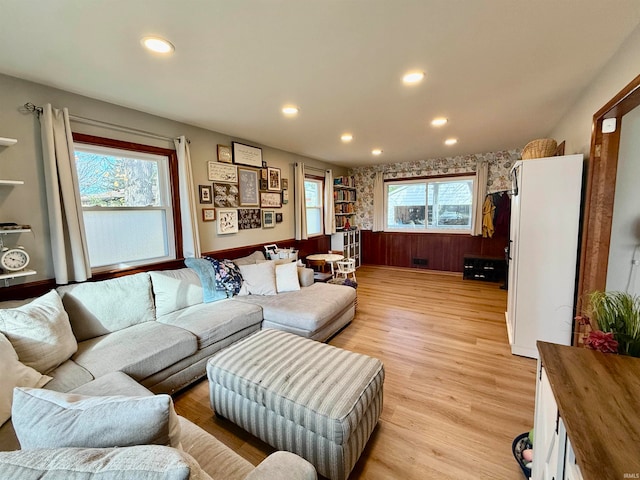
{"x": 441, "y": 251}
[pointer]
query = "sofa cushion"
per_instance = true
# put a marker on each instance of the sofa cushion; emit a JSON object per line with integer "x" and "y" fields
{"x": 214, "y": 322}
{"x": 139, "y": 351}
{"x": 68, "y": 376}
{"x": 40, "y": 332}
{"x": 48, "y": 419}
{"x": 145, "y": 462}
{"x": 255, "y": 257}
{"x": 98, "y": 308}
{"x": 308, "y": 309}
{"x": 287, "y": 277}
{"x": 114, "y": 383}
{"x": 258, "y": 279}
{"x": 175, "y": 289}
{"x": 14, "y": 374}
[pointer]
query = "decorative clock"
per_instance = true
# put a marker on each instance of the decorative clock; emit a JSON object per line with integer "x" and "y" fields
{"x": 14, "y": 259}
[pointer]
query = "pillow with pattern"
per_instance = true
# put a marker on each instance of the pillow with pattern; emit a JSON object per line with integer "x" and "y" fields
{"x": 228, "y": 276}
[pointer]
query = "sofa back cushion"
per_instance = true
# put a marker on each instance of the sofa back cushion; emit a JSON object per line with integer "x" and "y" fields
{"x": 175, "y": 289}
{"x": 98, "y": 308}
{"x": 40, "y": 332}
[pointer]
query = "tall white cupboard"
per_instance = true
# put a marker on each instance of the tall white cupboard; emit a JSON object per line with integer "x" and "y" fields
{"x": 543, "y": 246}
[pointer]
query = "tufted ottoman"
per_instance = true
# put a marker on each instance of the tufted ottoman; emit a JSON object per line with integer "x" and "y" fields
{"x": 296, "y": 394}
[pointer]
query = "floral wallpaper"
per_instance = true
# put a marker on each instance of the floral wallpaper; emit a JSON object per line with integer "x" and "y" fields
{"x": 499, "y": 165}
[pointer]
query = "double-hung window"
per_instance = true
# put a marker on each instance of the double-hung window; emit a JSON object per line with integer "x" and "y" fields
{"x": 313, "y": 190}
{"x": 127, "y": 203}
{"x": 442, "y": 205}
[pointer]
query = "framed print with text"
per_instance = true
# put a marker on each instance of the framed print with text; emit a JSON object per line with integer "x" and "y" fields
{"x": 222, "y": 172}
{"x": 247, "y": 155}
{"x": 208, "y": 214}
{"x": 270, "y": 200}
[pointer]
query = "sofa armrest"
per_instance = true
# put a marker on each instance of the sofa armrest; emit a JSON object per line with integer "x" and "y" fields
{"x": 305, "y": 276}
{"x": 283, "y": 466}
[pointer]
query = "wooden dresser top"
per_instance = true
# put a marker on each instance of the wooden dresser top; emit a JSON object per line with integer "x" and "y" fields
{"x": 598, "y": 396}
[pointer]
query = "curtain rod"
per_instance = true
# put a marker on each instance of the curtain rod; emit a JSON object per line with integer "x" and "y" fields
{"x": 98, "y": 123}
{"x": 309, "y": 167}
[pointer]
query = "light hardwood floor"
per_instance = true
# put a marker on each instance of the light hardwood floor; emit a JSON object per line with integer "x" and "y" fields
{"x": 454, "y": 396}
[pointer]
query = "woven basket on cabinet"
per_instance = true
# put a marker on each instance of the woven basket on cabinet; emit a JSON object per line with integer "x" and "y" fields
{"x": 543, "y": 147}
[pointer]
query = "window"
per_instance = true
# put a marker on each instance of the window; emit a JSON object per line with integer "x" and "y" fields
{"x": 313, "y": 189}
{"x": 127, "y": 203}
{"x": 431, "y": 205}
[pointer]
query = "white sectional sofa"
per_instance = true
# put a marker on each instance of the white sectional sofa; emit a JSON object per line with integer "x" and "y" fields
{"x": 155, "y": 329}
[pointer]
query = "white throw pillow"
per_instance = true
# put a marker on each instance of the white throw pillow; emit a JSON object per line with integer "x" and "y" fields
{"x": 48, "y": 419}
{"x": 40, "y": 332}
{"x": 258, "y": 279}
{"x": 287, "y": 277}
{"x": 14, "y": 374}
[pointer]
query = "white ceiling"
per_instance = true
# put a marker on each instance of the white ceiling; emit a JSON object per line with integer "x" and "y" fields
{"x": 503, "y": 71}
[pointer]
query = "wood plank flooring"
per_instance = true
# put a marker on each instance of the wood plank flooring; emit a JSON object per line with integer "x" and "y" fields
{"x": 454, "y": 396}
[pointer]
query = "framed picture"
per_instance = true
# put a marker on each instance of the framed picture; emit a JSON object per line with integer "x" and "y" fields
{"x": 285, "y": 183}
{"x": 263, "y": 174}
{"x": 270, "y": 200}
{"x": 205, "y": 193}
{"x": 247, "y": 155}
{"x": 208, "y": 214}
{"x": 222, "y": 172}
{"x": 227, "y": 221}
{"x": 225, "y": 195}
{"x": 273, "y": 176}
{"x": 249, "y": 218}
{"x": 285, "y": 197}
{"x": 224, "y": 153}
{"x": 263, "y": 184}
{"x": 268, "y": 219}
{"x": 279, "y": 217}
{"x": 248, "y": 187}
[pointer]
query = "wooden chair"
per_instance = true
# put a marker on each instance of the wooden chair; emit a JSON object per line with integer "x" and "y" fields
{"x": 317, "y": 265}
{"x": 346, "y": 267}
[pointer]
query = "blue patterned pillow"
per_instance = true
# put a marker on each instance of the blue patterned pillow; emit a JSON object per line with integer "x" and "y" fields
{"x": 228, "y": 276}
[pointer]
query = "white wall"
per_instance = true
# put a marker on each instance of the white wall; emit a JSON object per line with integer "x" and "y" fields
{"x": 575, "y": 126}
{"x": 625, "y": 228}
{"x": 27, "y": 204}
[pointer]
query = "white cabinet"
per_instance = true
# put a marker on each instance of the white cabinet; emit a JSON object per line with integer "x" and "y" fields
{"x": 545, "y": 213}
{"x": 553, "y": 457}
{"x": 349, "y": 243}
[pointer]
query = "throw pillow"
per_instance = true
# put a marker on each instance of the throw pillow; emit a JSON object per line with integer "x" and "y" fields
{"x": 48, "y": 419}
{"x": 259, "y": 279}
{"x": 175, "y": 289}
{"x": 144, "y": 462}
{"x": 14, "y": 374}
{"x": 40, "y": 332}
{"x": 287, "y": 277}
{"x": 228, "y": 276}
{"x": 207, "y": 275}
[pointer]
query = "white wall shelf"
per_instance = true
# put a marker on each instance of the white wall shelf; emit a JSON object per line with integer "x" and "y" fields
{"x": 11, "y": 182}
{"x": 6, "y": 231}
{"x": 7, "y": 142}
{"x": 21, "y": 273}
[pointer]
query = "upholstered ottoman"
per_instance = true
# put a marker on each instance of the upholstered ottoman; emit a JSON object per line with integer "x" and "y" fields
{"x": 299, "y": 395}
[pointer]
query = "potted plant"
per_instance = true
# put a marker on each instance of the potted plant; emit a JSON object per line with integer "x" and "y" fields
{"x": 616, "y": 316}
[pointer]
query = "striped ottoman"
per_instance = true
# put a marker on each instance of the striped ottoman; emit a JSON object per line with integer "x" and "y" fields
{"x": 296, "y": 394}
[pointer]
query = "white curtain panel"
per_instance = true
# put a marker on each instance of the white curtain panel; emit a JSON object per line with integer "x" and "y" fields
{"x": 329, "y": 207}
{"x": 479, "y": 194}
{"x": 378, "y": 202}
{"x": 188, "y": 214}
{"x": 300, "y": 205}
{"x": 68, "y": 242}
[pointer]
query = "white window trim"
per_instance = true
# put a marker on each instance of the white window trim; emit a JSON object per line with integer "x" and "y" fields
{"x": 320, "y": 182}
{"x": 164, "y": 192}
{"x": 424, "y": 229}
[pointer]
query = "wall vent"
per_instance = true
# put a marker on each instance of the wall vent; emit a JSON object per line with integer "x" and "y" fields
{"x": 420, "y": 262}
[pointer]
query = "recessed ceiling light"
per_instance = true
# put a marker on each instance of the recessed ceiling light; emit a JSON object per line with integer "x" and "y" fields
{"x": 451, "y": 141}
{"x": 290, "y": 110}
{"x": 346, "y": 137}
{"x": 376, "y": 151}
{"x": 157, "y": 44}
{"x": 411, "y": 78}
{"x": 438, "y": 122}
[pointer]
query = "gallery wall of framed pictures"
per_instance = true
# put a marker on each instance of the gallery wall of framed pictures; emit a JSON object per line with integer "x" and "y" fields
{"x": 244, "y": 192}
